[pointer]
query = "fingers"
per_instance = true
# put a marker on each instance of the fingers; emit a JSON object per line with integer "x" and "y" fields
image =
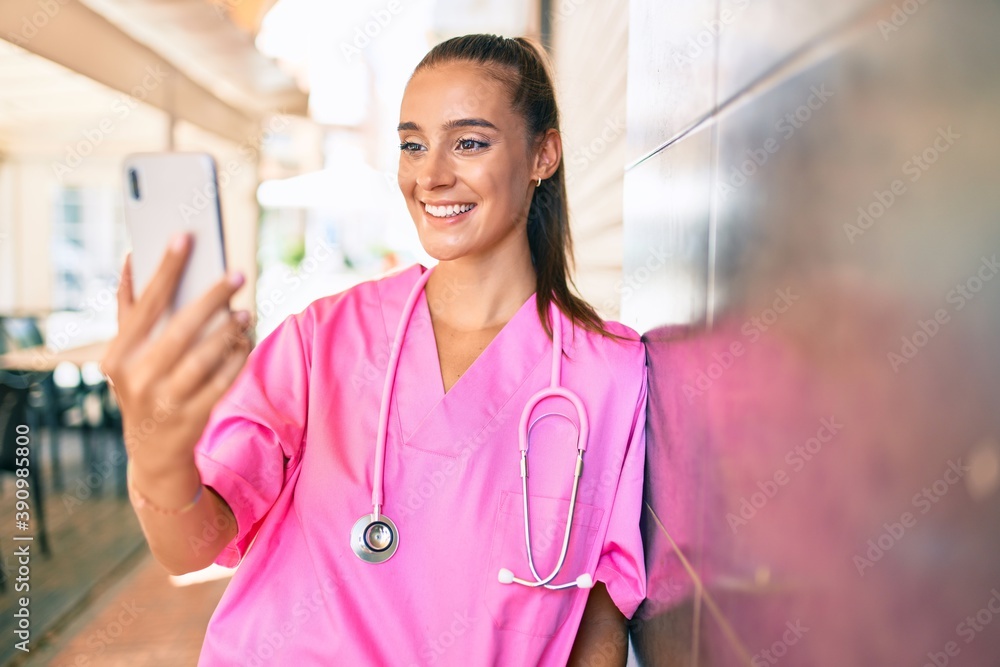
{"x": 219, "y": 382}
{"x": 125, "y": 296}
{"x": 187, "y": 325}
{"x": 202, "y": 361}
{"x": 109, "y": 363}
{"x": 144, "y": 313}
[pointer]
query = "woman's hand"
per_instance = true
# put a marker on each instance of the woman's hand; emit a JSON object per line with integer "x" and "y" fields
{"x": 166, "y": 385}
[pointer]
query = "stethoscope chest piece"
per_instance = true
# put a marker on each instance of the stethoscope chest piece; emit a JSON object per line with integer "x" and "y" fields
{"x": 374, "y": 540}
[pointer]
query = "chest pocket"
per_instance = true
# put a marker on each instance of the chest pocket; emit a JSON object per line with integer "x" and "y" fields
{"x": 539, "y": 612}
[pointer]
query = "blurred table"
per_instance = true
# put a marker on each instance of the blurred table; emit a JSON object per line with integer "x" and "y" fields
{"x": 41, "y": 358}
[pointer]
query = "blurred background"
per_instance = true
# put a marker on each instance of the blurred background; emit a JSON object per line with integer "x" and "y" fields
{"x": 795, "y": 202}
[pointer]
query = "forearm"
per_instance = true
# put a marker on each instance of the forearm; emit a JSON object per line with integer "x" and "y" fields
{"x": 666, "y": 639}
{"x": 602, "y": 640}
{"x": 185, "y": 541}
{"x": 601, "y": 644}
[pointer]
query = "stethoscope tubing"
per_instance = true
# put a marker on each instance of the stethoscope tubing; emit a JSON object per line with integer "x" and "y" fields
{"x": 360, "y": 532}
{"x": 390, "y": 380}
{"x": 524, "y": 432}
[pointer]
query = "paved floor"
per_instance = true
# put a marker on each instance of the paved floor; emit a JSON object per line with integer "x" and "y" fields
{"x": 94, "y": 538}
{"x": 143, "y": 620}
{"x": 98, "y": 597}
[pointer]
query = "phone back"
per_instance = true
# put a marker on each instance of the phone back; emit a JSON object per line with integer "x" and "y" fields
{"x": 166, "y": 193}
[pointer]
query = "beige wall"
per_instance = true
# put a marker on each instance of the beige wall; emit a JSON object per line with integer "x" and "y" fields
{"x": 8, "y": 267}
{"x": 26, "y": 199}
{"x": 590, "y": 47}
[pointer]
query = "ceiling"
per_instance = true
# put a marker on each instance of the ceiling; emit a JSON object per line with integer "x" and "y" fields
{"x": 213, "y": 44}
{"x": 219, "y": 80}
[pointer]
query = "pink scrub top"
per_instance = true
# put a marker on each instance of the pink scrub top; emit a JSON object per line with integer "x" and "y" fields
{"x": 291, "y": 448}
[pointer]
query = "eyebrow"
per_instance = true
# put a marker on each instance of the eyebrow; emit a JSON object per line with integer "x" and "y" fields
{"x": 450, "y": 125}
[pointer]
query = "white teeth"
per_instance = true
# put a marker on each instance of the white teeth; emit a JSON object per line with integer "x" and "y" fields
{"x": 448, "y": 211}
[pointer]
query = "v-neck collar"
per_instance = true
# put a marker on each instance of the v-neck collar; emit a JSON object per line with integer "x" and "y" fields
{"x": 442, "y": 422}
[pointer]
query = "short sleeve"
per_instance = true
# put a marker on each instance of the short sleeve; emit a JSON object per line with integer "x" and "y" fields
{"x": 254, "y": 434}
{"x": 622, "y": 566}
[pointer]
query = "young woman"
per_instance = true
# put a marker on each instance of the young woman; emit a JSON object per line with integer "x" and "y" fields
{"x": 364, "y": 466}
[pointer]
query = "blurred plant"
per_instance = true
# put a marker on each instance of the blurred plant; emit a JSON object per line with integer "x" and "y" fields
{"x": 294, "y": 253}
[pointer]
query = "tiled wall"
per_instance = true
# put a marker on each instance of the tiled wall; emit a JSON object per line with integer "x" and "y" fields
{"x": 811, "y": 229}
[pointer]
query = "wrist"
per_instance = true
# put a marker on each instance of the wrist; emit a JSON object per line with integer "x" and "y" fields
{"x": 174, "y": 491}
{"x": 157, "y": 465}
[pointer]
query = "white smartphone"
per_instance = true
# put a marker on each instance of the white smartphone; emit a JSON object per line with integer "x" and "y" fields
{"x": 167, "y": 193}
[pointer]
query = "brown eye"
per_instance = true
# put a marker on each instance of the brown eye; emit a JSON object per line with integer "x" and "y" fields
{"x": 471, "y": 144}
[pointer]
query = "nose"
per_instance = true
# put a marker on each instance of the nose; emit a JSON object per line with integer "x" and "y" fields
{"x": 434, "y": 171}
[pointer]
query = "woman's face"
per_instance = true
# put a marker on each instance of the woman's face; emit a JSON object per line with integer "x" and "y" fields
{"x": 465, "y": 164}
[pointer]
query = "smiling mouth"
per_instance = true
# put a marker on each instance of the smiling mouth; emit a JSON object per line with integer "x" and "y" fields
{"x": 449, "y": 211}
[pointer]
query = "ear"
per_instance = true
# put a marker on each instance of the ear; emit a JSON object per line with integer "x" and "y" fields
{"x": 548, "y": 155}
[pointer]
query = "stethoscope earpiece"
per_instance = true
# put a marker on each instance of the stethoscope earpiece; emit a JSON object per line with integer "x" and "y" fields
{"x": 584, "y": 581}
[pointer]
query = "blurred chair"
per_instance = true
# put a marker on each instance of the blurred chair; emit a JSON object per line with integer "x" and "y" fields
{"x": 100, "y": 411}
{"x": 67, "y": 397}
{"x": 14, "y": 393}
{"x": 20, "y": 333}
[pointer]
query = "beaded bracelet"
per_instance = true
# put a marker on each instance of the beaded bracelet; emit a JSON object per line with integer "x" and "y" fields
{"x": 140, "y": 500}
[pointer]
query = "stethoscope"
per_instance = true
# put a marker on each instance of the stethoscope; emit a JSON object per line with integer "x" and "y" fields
{"x": 374, "y": 537}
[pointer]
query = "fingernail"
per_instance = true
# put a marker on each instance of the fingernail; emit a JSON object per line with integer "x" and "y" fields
{"x": 179, "y": 242}
{"x": 236, "y": 278}
{"x": 242, "y": 317}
